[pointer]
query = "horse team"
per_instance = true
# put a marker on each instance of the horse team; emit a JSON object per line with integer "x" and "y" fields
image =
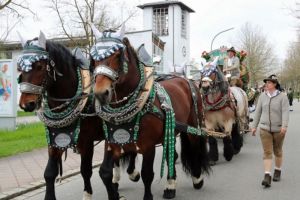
{"x": 117, "y": 99}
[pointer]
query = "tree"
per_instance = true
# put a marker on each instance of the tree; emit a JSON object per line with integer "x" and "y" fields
{"x": 290, "y": 71}
{"x": 11, "y": 13}
{"x": 74, "y": 16}
{"x": 261, "y": 58}
{"x": 290, "y": 75}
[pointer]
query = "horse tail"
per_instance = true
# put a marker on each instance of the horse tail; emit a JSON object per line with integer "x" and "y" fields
{"x": 194, "y": 153}
{"x": 126, "y": 158}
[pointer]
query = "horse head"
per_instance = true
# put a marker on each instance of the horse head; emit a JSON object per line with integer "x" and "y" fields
{"x": 209, "y": 73}
{"x": 33, "y": 65}
{"x": 110, "y": 59}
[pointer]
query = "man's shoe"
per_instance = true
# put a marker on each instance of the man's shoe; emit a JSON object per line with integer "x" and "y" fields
{"x": 267, "y": 180}
{"x": 276, "y": 176}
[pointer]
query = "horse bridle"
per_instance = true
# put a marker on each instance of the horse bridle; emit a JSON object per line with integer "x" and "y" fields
{"x": 108, "y": 71}
{"x": 39, "y": 90}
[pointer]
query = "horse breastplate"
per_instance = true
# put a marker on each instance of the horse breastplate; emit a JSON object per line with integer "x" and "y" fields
{"x": 134, "y": 105}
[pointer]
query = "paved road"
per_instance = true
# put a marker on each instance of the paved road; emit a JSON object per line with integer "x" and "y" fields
{"x": 235, "y": 180}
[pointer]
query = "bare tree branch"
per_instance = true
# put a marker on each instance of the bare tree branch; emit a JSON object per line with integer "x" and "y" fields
{"x": 23, "y": 7}
{"x": 2, "y": 6}
{"x": 261, "y": 59}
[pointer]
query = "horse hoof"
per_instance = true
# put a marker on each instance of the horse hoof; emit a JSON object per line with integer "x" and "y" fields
{"x": 236, "y": 151}
{"x": 228, "y": 158}
{"x": 135, "y": 177}
{"x": 169, "y": 194}
{"x": 199, "y": 185}
{"x": 148, "y": 197}
{"x": 212, "y": 163}
{"x": 116, "y": 186}
{"x": 87, "y": 196}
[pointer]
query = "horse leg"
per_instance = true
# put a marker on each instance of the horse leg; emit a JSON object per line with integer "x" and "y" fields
{"x": 51, "y": 172}
{"x": 133, "y": 174}
{"x": 106, "y": 174}
{"x": 200, "y": 162}
{"x": 116, "y": 175}
{"x": 86, "y": 170}
{"x": 147, "y": 172}
{"x": 170, "y": 191}
{"x": 237, "y": 139}
{"x": 228, "y": 148}
{"x": 213, "y": 150}
{"x": 194, "y": 157}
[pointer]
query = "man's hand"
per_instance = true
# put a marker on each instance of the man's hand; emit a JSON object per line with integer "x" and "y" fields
{"x": 253, "y": 130}
{"x": 283, "y": 131}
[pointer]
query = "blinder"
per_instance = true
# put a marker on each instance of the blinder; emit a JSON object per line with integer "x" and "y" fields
{"x": 100, "y": 52}
{"x": 32, "y": 54}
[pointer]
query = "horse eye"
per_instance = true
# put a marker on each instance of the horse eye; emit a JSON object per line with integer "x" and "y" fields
{"x": 39, "y": 67}
{"x": 19, "y": 78}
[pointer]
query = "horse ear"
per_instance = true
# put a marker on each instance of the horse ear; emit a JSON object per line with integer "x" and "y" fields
{"x": 23, "y": 41}
{"x": 215, "y": 62}
{"x": 42, "y": 40}
{"x": 96, "y": 32}
{"x": 126, "y": 41}
{"x": 119, "y": 34}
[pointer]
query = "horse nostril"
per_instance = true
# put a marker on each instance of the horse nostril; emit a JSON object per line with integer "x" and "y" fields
{"x": 106, "y": 93}
{"x": 29, "y": 107}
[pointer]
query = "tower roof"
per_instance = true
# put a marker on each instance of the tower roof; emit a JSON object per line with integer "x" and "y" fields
{"x": 166, "y": 3}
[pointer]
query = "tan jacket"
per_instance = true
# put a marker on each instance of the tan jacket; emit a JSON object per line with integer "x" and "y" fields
{"x": 234, "y": 68}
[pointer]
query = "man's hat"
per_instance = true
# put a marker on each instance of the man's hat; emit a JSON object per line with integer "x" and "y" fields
{"x": 272, "y": 78}
{"x": 232, "y": 50}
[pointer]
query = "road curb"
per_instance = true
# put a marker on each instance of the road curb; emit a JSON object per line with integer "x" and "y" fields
{"x": 38, "y": 184}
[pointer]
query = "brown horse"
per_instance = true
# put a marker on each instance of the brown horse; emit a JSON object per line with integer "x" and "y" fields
{"x": 52, "y": 75}
{"x": 122, "y": 84}
{"x": 226, "y": 110}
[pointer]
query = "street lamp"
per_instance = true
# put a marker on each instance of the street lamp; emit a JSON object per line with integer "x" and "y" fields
{"x": 211, "y": 44}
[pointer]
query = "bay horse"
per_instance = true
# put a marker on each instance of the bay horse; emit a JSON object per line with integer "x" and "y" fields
{"x": 139, "y": 114}
{"x": 226, "y": 110}
{"x": 60, "y": 81}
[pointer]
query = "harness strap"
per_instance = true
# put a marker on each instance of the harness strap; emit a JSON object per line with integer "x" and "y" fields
{"x": 195, "y": 99}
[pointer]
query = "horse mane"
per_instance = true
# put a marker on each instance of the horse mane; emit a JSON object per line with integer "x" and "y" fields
{"x": 62, "y": 56}
{"x": 221, "y": 81}
{"x": 131, "y": 51}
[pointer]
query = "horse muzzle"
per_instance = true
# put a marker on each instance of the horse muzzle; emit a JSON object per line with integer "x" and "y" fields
{"x": 29, "y": 107}
{"x": 29, "y": 102}
{"x": 104, "y": 97}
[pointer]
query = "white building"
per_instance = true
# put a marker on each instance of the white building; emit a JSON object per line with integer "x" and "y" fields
{"x": 165, "y": 32}
{"x": 170, "y": 21}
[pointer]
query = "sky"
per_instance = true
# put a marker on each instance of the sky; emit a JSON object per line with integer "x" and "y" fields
{"x": 210, "y": 17}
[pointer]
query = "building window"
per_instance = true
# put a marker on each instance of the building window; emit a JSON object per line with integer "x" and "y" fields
{"x": 183, "y": 23}
{"x": 161, "y": 21}
{"x": 157, "y": 51}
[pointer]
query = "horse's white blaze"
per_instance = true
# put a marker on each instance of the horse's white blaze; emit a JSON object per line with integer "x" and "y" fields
{"x": 86, "y": 196}
{"x": 133, "y": 175}
{"x": 171, "y": 184}
{"x": 197, "y": 180}
{"x": 116, "y": 174}
{"x": 205, "y": 84}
